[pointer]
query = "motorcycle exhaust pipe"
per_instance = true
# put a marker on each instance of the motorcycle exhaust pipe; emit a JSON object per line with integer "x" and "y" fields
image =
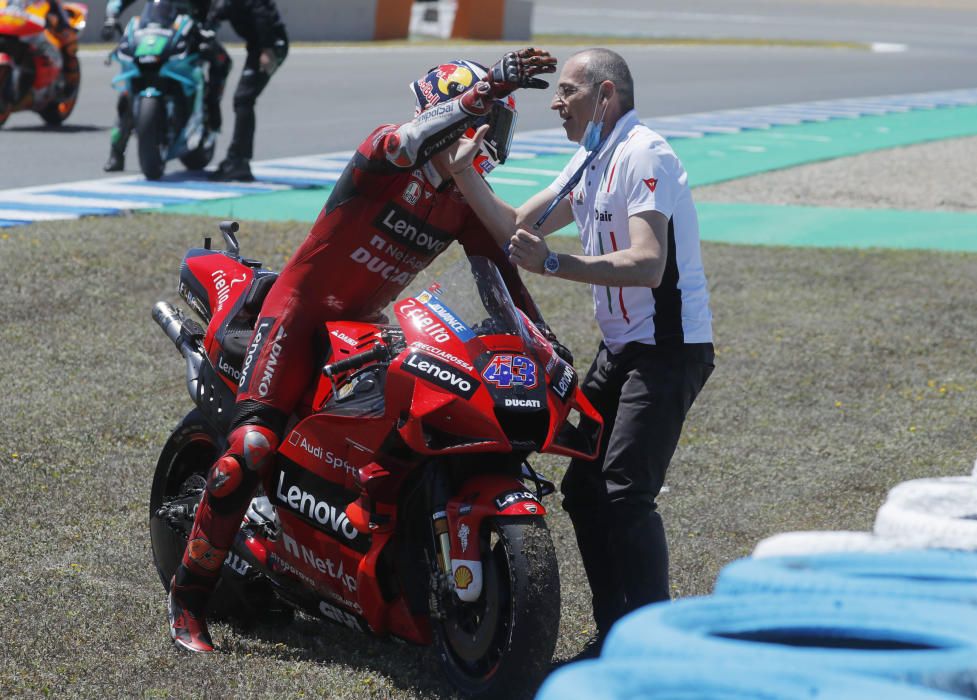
{"x": 171, "y": 321}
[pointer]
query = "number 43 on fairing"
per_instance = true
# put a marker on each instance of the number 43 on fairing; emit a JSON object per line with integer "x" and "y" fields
{"x": 507, "y": 371}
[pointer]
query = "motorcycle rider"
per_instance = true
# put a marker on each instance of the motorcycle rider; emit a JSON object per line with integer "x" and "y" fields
{"x": 211, "y": 50}
{"x": 266, "y": 41}
{"x": 56, "y": 22}
{"x": 362, "y": 251}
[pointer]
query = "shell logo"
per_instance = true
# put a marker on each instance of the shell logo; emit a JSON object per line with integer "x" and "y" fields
{"x": 463, "y": 577}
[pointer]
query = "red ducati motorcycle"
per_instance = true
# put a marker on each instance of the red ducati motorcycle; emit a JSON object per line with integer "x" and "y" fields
{"x": 401, "y": 502}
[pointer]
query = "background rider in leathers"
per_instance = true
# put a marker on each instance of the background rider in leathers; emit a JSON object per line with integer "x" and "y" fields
{"x": 219, "y": 65}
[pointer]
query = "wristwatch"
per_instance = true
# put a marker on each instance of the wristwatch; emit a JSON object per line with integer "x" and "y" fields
{"x": 552, "y": 263}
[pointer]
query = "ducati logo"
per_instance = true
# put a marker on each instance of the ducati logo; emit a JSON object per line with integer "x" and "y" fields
{"x": 412, "y": 193}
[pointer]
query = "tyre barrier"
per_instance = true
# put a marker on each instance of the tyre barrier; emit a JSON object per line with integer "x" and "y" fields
{"x": 815, "y": 542}
{"x": 925, "y": 513}
{"x": 924, "y": 643}
{"x": 933, "y": 574}
{"x": 712, "y": 679}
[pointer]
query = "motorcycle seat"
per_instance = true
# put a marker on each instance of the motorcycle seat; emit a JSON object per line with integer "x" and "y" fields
{"x": 238, "y": 328}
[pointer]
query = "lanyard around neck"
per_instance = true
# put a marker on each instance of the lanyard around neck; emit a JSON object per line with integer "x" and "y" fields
{"x": 571, "y": 183}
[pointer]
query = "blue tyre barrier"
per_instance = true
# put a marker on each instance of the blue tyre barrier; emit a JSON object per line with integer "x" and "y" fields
{"x": 925, "y": 643}
{"x": 712, "y": 679}
{"x": 932, "y": 574}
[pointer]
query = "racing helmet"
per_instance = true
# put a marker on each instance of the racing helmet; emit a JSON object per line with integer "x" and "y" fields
{"x": 447, "y": 81}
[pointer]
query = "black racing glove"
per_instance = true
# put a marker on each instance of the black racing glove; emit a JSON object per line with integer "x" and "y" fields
{"x": 111, "y": 29}
{"x": 518, "y": 69}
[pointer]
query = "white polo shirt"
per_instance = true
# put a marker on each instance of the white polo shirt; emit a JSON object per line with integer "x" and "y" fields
{"x": 635, "y": 171}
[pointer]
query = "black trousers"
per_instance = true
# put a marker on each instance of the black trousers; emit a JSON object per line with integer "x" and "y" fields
{"x": 643, "y": 393}
{"x": 253, "y": 82}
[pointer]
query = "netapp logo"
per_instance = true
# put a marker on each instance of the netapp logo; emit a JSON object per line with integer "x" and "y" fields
{"x": 437, "y": 372}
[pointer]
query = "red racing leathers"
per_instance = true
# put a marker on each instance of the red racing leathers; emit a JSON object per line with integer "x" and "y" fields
{"x": 381, "y": 226}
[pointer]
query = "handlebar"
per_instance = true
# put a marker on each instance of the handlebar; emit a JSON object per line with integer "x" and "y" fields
{"x": 378, "y": 352}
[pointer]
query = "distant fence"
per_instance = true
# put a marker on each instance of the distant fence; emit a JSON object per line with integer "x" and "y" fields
{"x": 367, "y": 20}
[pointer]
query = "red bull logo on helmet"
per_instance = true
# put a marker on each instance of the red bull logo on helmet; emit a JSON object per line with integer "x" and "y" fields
{"x": 446, "y": 81}
{"x": 450, "y": 75}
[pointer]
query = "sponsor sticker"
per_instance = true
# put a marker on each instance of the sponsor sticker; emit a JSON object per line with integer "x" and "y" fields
{"x": 303, "y": 493}
{"x": 504, "y": 500}
{"x": 463, "y": 577}
{"x": 564, "y": 380}
{"x": 258, "y": 340}
{"x": 440, "y": 374}
{"x": 412, "y": 193}
{"x": 508, "y": 371}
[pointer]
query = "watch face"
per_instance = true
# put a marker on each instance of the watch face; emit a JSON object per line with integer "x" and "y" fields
{"x": 552, "y": 263}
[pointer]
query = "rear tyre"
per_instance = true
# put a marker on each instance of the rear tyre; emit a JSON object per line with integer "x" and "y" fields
{"x": 56, "y": 112}
{"x": 502, "y": 644}
{"x": 200, "y": 157}
{"x": 151, "y": 132}
{"x": 178, "y": 486}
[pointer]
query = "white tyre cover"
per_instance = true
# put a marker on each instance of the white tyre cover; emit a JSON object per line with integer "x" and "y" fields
{"x": 815, "y": 542}
{"x": 931, "y": 513}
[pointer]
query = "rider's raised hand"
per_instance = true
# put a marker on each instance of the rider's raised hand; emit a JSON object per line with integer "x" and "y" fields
{"x": 518, "y": 69}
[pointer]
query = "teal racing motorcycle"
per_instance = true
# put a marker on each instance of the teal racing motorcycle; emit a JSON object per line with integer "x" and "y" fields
{"x": 160, "y": 55}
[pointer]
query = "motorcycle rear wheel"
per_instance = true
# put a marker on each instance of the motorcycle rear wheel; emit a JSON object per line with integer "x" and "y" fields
{"x": 502, "y": 644}
{"x": 150, "y": 131}
{"x": 200, "y": 157}
{"x": 180, "y": 477}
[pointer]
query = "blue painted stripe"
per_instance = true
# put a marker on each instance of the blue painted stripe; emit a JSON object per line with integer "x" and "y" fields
{"x": 331, "y": 172}
{"x": 4, "y": 223}
{"x": 61, "y": 208}
{"x": 124, "y": 196}
{"x": 203, "y": 186}
{"x": 302, "y": 182}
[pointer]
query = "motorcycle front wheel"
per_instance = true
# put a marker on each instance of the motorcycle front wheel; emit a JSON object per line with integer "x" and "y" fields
{"x": 151, "y": 132}
{"x": 501, "y": 645}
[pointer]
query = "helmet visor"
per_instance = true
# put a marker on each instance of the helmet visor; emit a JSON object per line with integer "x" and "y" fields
{"x": 502, "y": 125}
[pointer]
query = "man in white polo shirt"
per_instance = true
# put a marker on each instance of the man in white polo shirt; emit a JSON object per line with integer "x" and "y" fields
{"x": 628, "y": 194}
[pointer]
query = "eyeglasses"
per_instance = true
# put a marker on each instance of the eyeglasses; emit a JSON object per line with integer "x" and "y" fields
{"x": 565, "y": 92}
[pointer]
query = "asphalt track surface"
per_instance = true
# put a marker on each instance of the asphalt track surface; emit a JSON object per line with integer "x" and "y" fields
{"x": 326, "y": 98}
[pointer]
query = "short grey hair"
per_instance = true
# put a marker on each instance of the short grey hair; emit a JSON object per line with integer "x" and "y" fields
{"x": 604, "y": 64}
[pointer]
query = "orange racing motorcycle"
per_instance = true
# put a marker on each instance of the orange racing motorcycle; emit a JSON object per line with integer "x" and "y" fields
{"x": 401, "y": 503}
{"x": 39, "y": 67}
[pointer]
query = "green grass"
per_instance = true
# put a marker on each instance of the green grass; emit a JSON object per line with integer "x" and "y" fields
{"x": 839, "y": 374}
